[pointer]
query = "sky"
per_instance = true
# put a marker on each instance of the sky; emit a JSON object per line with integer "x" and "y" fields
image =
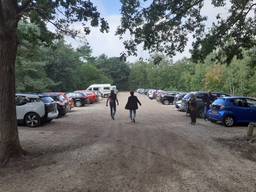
{"x": 112, "y": 46}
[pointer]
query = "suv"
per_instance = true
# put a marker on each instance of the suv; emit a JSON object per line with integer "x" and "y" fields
{"x": 167, "y": 98}
{"x": 30, "y": 110}
{"x": 233, "y": 110}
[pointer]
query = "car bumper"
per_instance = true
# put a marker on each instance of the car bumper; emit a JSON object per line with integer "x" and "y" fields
{"x": 215, "y": 116}
{"x": 52, "y": 115}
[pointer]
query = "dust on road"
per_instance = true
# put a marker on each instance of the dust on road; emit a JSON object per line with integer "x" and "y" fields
{"x": 87, "y": 152}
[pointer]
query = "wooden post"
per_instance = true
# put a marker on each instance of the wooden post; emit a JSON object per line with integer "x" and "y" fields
{"x": 250, "y": 130}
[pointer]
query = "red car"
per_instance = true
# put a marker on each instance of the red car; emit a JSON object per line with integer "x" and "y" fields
{"x": 92, "y": 97}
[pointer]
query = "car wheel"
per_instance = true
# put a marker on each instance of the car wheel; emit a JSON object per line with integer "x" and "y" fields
{"x": 166, "y": 102}
{"x": 229, "y": 121}
{"x": 78, "y": 103}
{"x": 32, "y": 120}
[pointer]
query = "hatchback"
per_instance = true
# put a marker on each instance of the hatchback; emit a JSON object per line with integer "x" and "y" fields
{"x": 233, "y": 110}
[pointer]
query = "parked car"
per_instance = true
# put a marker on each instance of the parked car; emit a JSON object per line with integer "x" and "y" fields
{"x": 199, "y": 100}
{"x": 233, "y": 110}
{"x": 178, "y": 97}
{"x": 140, "y": 90}
{"x": 159, "y": 94}
{"x": 151, "y": 93}
{"x": 92, "y": 97}
{"x": 51, "y": 109}
{"x": 79, "y": 98}
{"x": 30, "y": 110}
{"x": 62, "y": 103}
{"x": 167, "y": 98}
{"x": 68, "y": 100}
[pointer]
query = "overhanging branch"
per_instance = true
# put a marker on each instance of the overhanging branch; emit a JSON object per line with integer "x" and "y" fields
{"x": 24, "y": 6}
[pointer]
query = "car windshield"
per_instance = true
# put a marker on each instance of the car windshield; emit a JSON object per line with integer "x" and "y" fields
{"x": 80, "y": 94}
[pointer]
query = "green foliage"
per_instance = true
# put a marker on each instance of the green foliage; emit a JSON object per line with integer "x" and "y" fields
{"x": 115, "y": 69}
{"x": 30, "y": 66}
{"x": 58, "y": 67}
{"x": 166, "y": 26}
{"x": 238, "y": 78}
{"x": 88, "y": 74}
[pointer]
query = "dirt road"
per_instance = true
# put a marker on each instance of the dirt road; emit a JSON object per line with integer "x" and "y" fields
{"x": 87, "y": 152}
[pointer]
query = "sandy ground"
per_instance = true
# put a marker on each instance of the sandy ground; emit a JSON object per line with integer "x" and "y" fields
{"x": 87, "y": 152}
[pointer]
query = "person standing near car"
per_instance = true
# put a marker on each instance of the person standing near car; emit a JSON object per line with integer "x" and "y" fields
{"x": 208, "y": 99}
{"x": 112, "y": 100}
{"x": 132, "y": 105}
{"x": 193, "y": 109}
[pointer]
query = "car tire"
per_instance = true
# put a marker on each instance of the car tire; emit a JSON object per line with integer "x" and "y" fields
{"x": 78, "y": 103}
{"x": 32, "y": 120}
{"x": 229, "y": 121}
{"x": 166, "y": 102}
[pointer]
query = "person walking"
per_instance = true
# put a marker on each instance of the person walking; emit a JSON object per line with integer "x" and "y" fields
{"x": 112, "y": 100}
{"x": 193, "y": 109}
{"x": 132, "y": 105}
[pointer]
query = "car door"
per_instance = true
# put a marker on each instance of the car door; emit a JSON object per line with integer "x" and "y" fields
{"x": 21, "y": 102}
{"x": 241, "y": 110}
{"x": 252, "y": 105}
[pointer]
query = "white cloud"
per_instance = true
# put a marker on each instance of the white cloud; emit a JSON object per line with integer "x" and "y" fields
{"x": 105, "y": 43}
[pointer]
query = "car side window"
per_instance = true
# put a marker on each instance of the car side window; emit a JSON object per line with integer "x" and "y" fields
{"x": 251, "y": 102}
{"x": 240, "y": 103}
{"x": 96, "y": 88}
{"x": 20, "y": 100}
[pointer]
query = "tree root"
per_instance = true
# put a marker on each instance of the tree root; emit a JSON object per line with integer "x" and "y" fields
{"x": 10, "y": 151}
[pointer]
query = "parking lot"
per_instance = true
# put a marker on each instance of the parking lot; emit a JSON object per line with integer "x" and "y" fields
{"x": 162, "y": 151}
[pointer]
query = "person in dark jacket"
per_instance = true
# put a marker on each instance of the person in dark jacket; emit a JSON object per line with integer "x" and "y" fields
{"x": 208, "y": 99}
{"x": 112, "y": 100}
{"x": 193, "y": 109}
{"x": 132, "y": 105}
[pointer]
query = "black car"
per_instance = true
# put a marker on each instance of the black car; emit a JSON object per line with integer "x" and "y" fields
{"x": 79, "y": 99}
{"x": 51, "y": 110}
{"x": 62, "y": 104}
{"x": 167, "y": 98}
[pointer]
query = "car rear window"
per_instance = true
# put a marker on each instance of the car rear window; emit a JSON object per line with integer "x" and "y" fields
{"x": 187, "y": 96}
{"x": 47, "y": 99}
{"x": 219, "y": 102}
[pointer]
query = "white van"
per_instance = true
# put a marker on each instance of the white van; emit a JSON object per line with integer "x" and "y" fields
{"x": 104, "y": 89}
{"x": 113, "y": 87}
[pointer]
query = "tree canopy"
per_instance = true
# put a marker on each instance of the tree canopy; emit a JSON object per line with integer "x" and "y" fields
{"x": 166, "y": 26}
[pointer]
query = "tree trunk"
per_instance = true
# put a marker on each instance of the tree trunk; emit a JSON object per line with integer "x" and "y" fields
{"x": 9, "y": 139}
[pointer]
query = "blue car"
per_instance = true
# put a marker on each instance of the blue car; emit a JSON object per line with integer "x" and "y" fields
{"x": 233, "y": 110}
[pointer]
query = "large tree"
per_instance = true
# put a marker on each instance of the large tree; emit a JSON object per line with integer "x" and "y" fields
{"x": 61, "y": 14}
{"x": 166, "y": 26}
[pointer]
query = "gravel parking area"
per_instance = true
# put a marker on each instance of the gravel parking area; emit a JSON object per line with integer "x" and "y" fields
{"x": 87, "y": 151}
